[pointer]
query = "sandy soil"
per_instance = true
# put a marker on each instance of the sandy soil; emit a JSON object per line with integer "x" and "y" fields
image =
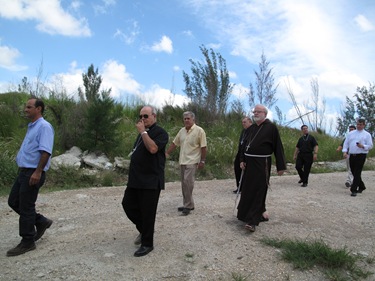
{"x": 91, "y": 238}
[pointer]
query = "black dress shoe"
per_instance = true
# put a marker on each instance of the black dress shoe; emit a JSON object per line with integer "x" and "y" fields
{"x": 354, "y": 194}
{"x": 41, "y": 228}
{"x": 185, "y": 212}
{"x": 142, "y": 251}
{"x": 180, "y": 209}
{"x": 138, "y": 240}
{"x": 20, "y": 249}
{"x": 360, "y": 190}
{"x": 304, "y": 184}
{"x": 300, "y": 181}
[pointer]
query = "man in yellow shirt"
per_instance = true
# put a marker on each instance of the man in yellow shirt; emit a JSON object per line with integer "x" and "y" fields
{"x": 193, "y": 149}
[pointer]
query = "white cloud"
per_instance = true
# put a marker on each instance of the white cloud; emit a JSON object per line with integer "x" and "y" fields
{"x": 363, "y": 23}
{"x": 116, "y": 77}
{"x": 70, "y": 81}
{"x": 103, "y": 7}
{"x": 8, "y": 57}
{"x": 159, "y": 97}
{"x": 232, "y": 74}
{"x": 188, "y": 33}
{"x": 240, "y": 91}
{"x": 214, "y": 46}
{"x": 131, "y": 35}
{"x": 49, "y": 15}
{"x": 164, "y": 45}
{"x": 301, "y": 39}
{"x": 75, "y": 5}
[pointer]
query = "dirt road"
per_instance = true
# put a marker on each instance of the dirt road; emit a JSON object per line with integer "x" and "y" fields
{"x": 91, "y": 238}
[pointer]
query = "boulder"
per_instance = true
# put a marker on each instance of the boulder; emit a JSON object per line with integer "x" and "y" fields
{"x": 75, "y": 151}
{"x": 122, "y": 163}
{"x": 65, "y": 160}
{"x": 100, "y": 162}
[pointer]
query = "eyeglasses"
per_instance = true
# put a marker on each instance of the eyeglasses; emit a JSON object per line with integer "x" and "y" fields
{"x": 257, "y": 111}
{"x": 145, "y": 116}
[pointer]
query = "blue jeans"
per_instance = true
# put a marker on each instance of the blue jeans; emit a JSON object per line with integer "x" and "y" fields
{"x": 22, "y": 200}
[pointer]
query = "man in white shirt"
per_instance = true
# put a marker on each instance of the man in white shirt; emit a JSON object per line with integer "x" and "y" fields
{"x": 357, "y": 144}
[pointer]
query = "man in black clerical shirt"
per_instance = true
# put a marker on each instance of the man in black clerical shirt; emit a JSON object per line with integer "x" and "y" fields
{"x": 146, "y": 178}
{"x": 305, "y": 153}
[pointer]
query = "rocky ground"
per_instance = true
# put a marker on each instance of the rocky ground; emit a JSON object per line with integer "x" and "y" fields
{"x": 91, "y": 238}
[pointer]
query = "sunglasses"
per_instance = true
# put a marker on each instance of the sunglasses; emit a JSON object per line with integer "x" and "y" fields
{"x": 145, "y": 116}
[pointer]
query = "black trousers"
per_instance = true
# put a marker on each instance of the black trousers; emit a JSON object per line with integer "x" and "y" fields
{"x": 356, "y": 162}
{"x": 22, "y": 200}
{"x": 303, "y": 165}
{"x": 140, "y": 206}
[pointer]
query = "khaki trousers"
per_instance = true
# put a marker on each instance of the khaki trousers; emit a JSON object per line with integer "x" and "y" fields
{"x": 187, "y": 184}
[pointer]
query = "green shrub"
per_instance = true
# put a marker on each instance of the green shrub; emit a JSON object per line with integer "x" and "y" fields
{"x": 334, "y": 263}
{"x": 8, "y": 166}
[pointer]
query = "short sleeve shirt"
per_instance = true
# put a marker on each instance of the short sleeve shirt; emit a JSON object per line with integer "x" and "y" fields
{"x": 146, "y": 170}
{"x": 190, "y": 143}
{"x": 39, "y": 137}
{"x": 306, "y": 144}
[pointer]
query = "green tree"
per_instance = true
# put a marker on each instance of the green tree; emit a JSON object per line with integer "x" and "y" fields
{"x": 208, "y": 87}
{"x": 103, "y": 117}
{"x": 264, "y": 84}
{"x": 101, "y": 114}
{"x": 91, "y": 82}
{"x": 12, "y": 115}
{"x": 362, "y": 106}
{"x": 68, "y": 120}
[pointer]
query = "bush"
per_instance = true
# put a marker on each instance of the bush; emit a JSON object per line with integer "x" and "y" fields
{"x": 8, "y": 167}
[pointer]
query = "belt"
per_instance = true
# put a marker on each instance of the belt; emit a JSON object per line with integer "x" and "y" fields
{"x": 23, "y": 169}
{"x": 253, "y": 155}
{"x": 358, "y": 154}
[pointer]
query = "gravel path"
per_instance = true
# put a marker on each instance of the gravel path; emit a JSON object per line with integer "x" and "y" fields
{"x": 91, "y": 238}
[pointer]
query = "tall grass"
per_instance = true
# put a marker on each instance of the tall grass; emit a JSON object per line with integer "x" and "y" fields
{"x": 8, "y": 167}
{"x": 336, "y": 264}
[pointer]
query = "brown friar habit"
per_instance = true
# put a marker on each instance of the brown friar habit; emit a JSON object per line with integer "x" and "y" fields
{"x": 262, "y": 141}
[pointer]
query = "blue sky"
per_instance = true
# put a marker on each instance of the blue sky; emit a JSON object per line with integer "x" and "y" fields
{"x": 142, "y": 47}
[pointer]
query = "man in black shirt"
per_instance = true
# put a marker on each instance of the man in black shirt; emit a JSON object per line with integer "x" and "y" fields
{"x": 306, "y": 152}
{"x": 146, "y": 178}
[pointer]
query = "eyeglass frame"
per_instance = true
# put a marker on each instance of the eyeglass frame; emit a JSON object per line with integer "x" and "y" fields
{"x": 145, "y": 116}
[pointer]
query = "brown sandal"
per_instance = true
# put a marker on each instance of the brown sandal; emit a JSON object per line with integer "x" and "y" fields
{"x": 250, "y": 227}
